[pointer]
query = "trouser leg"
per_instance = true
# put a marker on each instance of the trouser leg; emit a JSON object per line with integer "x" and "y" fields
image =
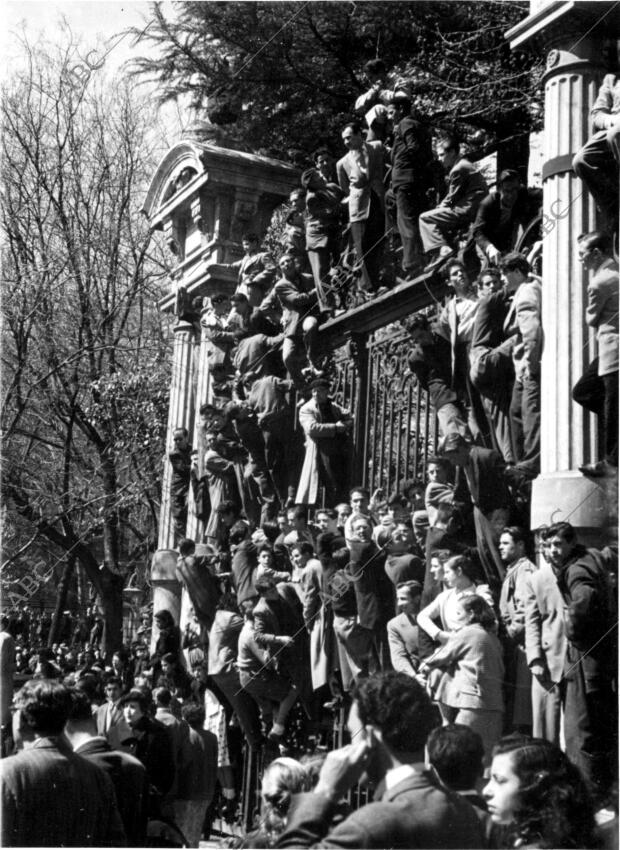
{"x": 546, "y": 711}
{"x": 610, "y": 420}
{"x": 408, "y": 208}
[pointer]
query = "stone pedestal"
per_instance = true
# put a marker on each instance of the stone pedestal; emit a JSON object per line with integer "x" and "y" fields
{"x": 571, "y": 34}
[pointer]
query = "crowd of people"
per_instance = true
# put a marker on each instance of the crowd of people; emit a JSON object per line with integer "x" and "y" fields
{"x": 458, "y": 642}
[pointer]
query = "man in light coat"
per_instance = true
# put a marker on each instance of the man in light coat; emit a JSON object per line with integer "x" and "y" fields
{"x": 597, "y": 389}
{"x": 326, "y": 426}
{"x": 360, "y": 175}
{"x": 545, "y": 649}
{"x": 402, "y": 630}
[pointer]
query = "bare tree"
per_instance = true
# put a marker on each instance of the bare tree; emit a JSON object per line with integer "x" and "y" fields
{"x": 84, "y": 354}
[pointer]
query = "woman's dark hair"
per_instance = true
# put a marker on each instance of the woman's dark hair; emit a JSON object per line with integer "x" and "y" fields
{"x": 464, "y": 564}
{"x": 271, "y": 531}
{"x": 555, "y": 807}
{"x": 165, "y": 618}
{"x": 481, "y": 611}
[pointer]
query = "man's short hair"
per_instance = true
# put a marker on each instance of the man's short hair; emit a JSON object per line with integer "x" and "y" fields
{"x": 456, "y": 752}
{"x": 399, "y": 707}
{"x": 518, "y": 534}
{"x": 329, "y": 512}
{"x": 113, "y": 680}
{"x": 453, "y": 264}
{"x": 181, "y": 430}
{"x": 238, "y": 532}
{"x": 194, "y": 714}
{"x": 304, "y": 548}
{"x": 362, "y": 490}
{"x": 490, "y": 271}
{"x": 250, "y": 237}
{"x": 323, "y": 151}
{"x": 170, "y": 658}
{"x": 413, "y": 588}
{"x": 595, "y": 239}
{"x": 515, "y": 262}
{"x": 263, "y": 584}
{"x": 162, "y": 697}
{"x": 437, "y": 460}
{"x": 45, "y": 706}
{"x": 375, "y": 66}
{"x": 186, "y": 547}
{"x": 81, "y": 707}
{"x": 560, "y": 529}
{"x": 355, "y": 126}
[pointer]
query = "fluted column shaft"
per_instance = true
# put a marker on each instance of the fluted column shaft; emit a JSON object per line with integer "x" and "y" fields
{"x": 568, "y": 432}
{"x": 180, "y": 415}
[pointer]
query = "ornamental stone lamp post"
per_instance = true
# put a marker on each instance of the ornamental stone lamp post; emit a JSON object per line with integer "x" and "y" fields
{"x": 574, "y": 36}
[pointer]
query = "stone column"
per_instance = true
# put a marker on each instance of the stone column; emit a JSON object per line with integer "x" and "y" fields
{"x": 166, "y": 588}
{"x": 180, "y": 415}
{"x": 195, "y": 527}
{"x": 568, "y": 432}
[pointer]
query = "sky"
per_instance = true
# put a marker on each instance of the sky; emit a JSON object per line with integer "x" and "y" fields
{"x": 98, "y": 25}
{"x": 93, "y": 19}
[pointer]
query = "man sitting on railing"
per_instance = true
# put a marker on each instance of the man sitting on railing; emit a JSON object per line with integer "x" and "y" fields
{"x": 466, "y": 189}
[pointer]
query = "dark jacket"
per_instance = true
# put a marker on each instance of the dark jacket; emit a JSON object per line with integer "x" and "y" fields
{"x": 589, "y": 621}
{"x": 151, "y": 743}
{"x": 412, "y": 155}
{"x": 130, "y": 782}
{"x": 298, "y": 299}
{"x": 243, "y": 566}
{"x": 52, "y": 797}
{"x": 502, "y": 234}
{"x": 415, "y": 813}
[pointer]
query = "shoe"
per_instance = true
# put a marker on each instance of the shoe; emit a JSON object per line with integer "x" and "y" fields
{"x": 600, "y": 469}
{"x": 444, "y": 254}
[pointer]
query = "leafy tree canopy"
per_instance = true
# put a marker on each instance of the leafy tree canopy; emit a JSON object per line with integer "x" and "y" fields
{"x": 285, "y": 76}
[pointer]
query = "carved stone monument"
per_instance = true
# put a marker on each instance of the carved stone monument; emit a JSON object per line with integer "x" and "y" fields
{"x": 203, "y": 197}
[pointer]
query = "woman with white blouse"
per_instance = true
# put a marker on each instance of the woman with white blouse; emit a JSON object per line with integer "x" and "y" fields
{"x": 459, "y": 583}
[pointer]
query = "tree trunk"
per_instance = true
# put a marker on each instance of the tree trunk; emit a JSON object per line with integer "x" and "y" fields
{"x": 61, "y": 599}
{"x": 111, "y": 595}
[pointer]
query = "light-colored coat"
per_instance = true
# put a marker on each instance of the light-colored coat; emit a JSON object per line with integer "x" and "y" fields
{"x": 479, "y": 674}
{"x": 602, "y": 314}
{"x": 545, "y": 638}
{"x": 403, "y": 642}
{"x": 358, "y": 185}
{"x": 315, "y": 430}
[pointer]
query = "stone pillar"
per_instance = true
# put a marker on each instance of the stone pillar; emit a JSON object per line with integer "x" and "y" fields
{"x": 166, "y": 588}
{"x": 573, "y": 44}
{"x": 180, "y": 415}
{"x": 195, "y": 527}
